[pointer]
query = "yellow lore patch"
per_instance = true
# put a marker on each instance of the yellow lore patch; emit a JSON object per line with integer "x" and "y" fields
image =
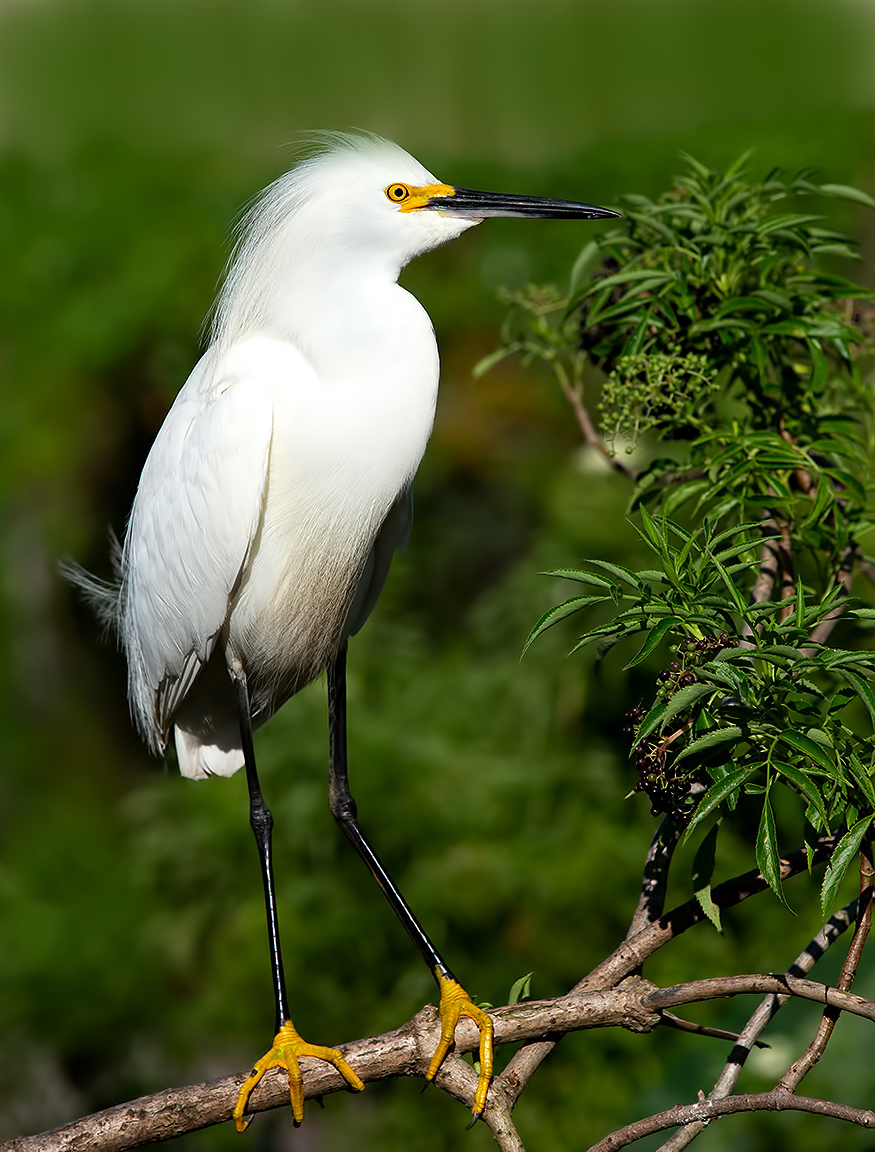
{"x": 410, "y": 197}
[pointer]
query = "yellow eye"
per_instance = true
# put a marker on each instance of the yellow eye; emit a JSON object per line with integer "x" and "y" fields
{"x": 398, "y": 193}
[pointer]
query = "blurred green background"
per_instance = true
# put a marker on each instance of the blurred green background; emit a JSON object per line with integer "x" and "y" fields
{"x": 132, "y": 946}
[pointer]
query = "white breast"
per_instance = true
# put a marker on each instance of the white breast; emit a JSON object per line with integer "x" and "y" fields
{"x": 345, "y": 444}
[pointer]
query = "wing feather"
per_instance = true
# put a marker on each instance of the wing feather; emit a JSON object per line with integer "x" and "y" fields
{"x": 193, "y": 523}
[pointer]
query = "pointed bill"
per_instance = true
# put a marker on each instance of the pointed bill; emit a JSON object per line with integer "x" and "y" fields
{"x": 481, "y": 205}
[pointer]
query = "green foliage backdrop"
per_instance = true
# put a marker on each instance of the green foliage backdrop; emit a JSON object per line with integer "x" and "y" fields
{"x": 132, "y": 951}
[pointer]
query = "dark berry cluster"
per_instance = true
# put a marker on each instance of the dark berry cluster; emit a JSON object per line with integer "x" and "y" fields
{"x": 667, "y": 784}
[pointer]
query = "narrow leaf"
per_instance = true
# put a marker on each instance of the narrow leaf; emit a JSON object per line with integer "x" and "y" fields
{"x": 717, "y": 793}
{"x": 861, "y": 687}
{"x": 845, "y": 192}
{"x": 806, "y": 745}
{"x": 585, "y": 265}
{"x": 520, "y": 989}
{"x": 684, "y": 698}
{"x": 653, "y": 640}
{"x": 703, "y": 872}
{"x": 488, "y": 362}
{"x": 768, "y": 857}
{"x": 560, "y": 612}
{"x": 806, "y": 787}
{"x": 845, "y": 851}
{"x": 711, "y": 740}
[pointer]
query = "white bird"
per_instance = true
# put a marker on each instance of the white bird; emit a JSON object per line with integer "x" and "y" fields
{"x": 278, "y": 489}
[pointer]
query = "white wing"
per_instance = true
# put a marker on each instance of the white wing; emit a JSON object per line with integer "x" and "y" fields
{"x": 194, "y": 519}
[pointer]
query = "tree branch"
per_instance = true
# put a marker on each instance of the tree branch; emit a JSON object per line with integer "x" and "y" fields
{"x": 763, "y": 1015}
{"x": 574, "y": 396}
{"x": 800, "y": 1069}
{"x": 719, "y": 987}
{"x": 654, "y": 882}
{"x": 404, "y": 1052}
{"x": 632, "y": 953}
{"x": 704, "y": 1111}
{"x": 607, "y": 997}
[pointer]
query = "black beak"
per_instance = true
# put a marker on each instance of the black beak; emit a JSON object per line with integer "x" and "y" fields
{"x": 480, "y": 205}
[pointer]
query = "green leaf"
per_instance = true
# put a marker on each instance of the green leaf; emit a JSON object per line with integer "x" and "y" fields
{"x": 649, "y": 525}
{"x": 806, "y": 745}
{"x": 711, "y": 740}
{"x": 580, "y": 577}
{"x": 520, "y": 989}
{"x": 703, "y": 871}
{"x": 862, "y": 688}
{"x": 624, "y": 574}
{"x": 845, "y": 851}
{"x": 806, "y": 787}
{"x": 768, "y": 857}
{"x": 846, "y": 192}
{"x": 731, "y": 783}
{"x": 650, "y": 721}
{"x": 682, "y": 699}
{"x": 863, "y": 778}
{"x": 653, "y": 640}
{"x": 488, "y": 362}
{"x": 731, "y": 588}
{"x": 560, "y": 612}
{"x": 585, "y": 265}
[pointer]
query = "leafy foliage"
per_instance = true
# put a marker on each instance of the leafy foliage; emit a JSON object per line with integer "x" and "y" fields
{"x": 720, "y": 332}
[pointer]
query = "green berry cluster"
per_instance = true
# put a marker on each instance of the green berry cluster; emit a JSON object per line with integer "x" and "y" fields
{"x": 657, "y": 390}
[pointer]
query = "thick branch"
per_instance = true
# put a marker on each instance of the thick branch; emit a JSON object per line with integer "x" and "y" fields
{"x": 654, "y": 882}
{"x": 632, "y": 953}
{"x": 596, "y": 1002}
{"x": 404, "y": 1052}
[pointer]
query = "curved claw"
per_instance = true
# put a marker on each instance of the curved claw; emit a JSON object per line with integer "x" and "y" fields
{"x": 456, "y": 1002}
{"x": 287, "y": 1047}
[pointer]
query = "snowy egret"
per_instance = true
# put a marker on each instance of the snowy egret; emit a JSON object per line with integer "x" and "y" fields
{"x": 278, "y": 489}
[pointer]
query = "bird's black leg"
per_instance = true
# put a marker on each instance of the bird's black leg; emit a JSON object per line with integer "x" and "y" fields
{"x": 343, "y": 809}
{"x": 454, "y": 1000}
{"x": 261, "y": 819}
{"x": 288, "y": 1045}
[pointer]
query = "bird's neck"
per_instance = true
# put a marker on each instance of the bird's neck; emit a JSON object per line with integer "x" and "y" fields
{"x": 342, "y": 319}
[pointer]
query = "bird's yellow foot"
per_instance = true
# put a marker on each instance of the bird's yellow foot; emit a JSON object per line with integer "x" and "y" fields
{"x": 456, "y": 1002}
{"x": 287, "y": 1047}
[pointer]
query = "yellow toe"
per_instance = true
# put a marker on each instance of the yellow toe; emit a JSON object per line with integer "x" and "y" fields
{"x": 455, "y": 1002}
{"x": 287, "y": 1047}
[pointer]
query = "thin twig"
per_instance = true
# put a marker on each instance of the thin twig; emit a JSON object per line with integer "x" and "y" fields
{"x": 705, "y": 1111}
{"x": 720, "y": 987}
{"x": 631, "y": 954}
{"x": 801, "y": 1067}
{"x": 763, "y": 1015}
{"x": 669, "y": 1020}
{"x": 574, "y": 396}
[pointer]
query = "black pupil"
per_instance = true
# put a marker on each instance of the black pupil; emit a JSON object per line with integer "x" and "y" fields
{"x": 398, "y": 192}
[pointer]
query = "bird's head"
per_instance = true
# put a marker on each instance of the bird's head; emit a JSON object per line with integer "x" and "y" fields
{"x": 379, "y": 195}
{"x": 357, "y": 202}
